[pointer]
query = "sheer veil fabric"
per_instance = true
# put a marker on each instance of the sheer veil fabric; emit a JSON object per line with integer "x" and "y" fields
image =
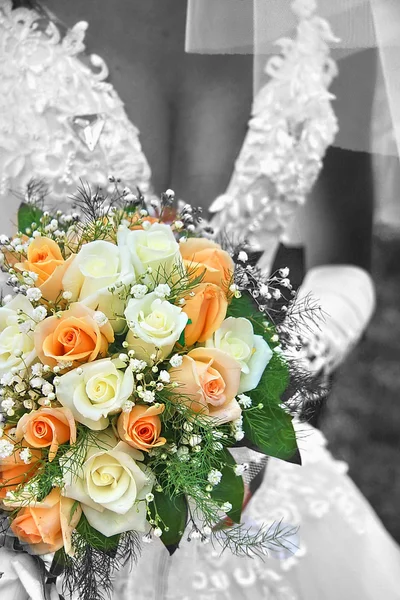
{"x": 253, "y": 26}
{"x": 366, "y": 48}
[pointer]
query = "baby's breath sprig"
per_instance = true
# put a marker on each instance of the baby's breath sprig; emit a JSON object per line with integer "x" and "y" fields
{"x": 190, "y": 217}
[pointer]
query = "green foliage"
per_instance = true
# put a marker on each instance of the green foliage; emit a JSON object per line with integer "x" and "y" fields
{"x": 270, "y": 428}
{"x": 59, "y": 563}
{"x": 28, "y": 214}
{"x": 230, "y": 489}
{"x": 242, "y": 307}
{"x": 273, "y": 383}
{"x": 181, "y": 342}
{"x": 173, "y": 512}
{"x": 243, "y": 541}
{"x": 245, "y": 307}
{"x": 182, "y": 279}
{"x": 88, "y": 574}
{"x": 187, "y": 475}
{"x": 96, "y": 539}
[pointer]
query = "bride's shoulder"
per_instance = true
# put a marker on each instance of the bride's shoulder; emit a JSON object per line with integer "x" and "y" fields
{"x": 40, "y": 52}
{"x": 61, "y": 118}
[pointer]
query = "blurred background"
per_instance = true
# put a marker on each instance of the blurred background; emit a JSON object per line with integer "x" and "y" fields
{"x": 362, "y": 416}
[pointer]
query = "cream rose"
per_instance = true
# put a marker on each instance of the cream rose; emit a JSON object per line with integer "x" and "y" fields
{"x": 110, "y": 486}
{"x": 95, "y": 391}
{"x": 153, "y": 324}
{"x": 155, "y": 248}
{"x": 17, "y": 349}
{"x": 236, "y": 338}
{"x": 96, "y": 267}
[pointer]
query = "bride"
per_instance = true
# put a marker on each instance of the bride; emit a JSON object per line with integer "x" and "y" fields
{"x": 64, "y": 121}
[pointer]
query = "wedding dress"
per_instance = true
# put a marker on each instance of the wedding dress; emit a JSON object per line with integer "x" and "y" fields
{"x": 56, "y": 112}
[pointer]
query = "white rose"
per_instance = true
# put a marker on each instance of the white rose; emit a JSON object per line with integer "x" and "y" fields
{"x": 236, "y": 338}
{"x": 153, "y": 323}
{"x": 110, "y": 485}
{"x": 17, "y": 348}
{"x": 94, "y": 391}
{"x": 155, "y": 249}
{"x": 96, "y": 267}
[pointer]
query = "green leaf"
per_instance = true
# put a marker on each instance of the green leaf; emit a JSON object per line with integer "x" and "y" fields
{"x": 130, "y": 209}
{"x": 273, "y": 383}
{"x": 181, "y": 341}
{"x": 28, "y": 214}
{"x": 173, "y": 511}
{"x": 74, "y": 507}
{"x": 270, "y": 428}
{"x": 245, "y": 307}
{"x": 95, "y": 538}
{"x": 230, "y": 489}
{"x": 271, "y": 431}
{"x": 58, "y": 563}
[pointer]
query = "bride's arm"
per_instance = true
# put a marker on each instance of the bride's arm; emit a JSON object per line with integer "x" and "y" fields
{"x": 335, "y": 225}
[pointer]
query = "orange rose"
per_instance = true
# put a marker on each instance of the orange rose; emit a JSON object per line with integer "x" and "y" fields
{"x": 45, "y": 259}
{"x": 47, "y": 427}
{"x": 206, "y": 309}
{"x": 47, "y": 525}
{"x": 208, "y": 382}
{"x": 14, "y": 471}
{"x": 202, "y": 256}
{"x": 72, "y": 336}
{"x": 141, "y": 427}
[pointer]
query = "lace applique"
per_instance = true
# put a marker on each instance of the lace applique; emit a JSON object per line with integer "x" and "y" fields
{"x": 45, "y": 84}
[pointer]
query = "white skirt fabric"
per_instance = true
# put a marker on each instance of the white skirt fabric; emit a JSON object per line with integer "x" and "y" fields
{"x": 344, "y": 552}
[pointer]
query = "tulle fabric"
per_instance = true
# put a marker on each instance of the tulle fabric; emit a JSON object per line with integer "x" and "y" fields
{"x": 343, "y": 549}
{"x": 253, "y": 26}
{"x": 247, "y": 26}
{"x": 242, "y": 26}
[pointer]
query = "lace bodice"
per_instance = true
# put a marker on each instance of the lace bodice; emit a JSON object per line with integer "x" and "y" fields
{"x": 60, "y": 121}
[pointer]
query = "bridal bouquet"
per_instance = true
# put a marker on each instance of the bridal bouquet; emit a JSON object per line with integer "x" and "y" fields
{"x": 135, "y": 354}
